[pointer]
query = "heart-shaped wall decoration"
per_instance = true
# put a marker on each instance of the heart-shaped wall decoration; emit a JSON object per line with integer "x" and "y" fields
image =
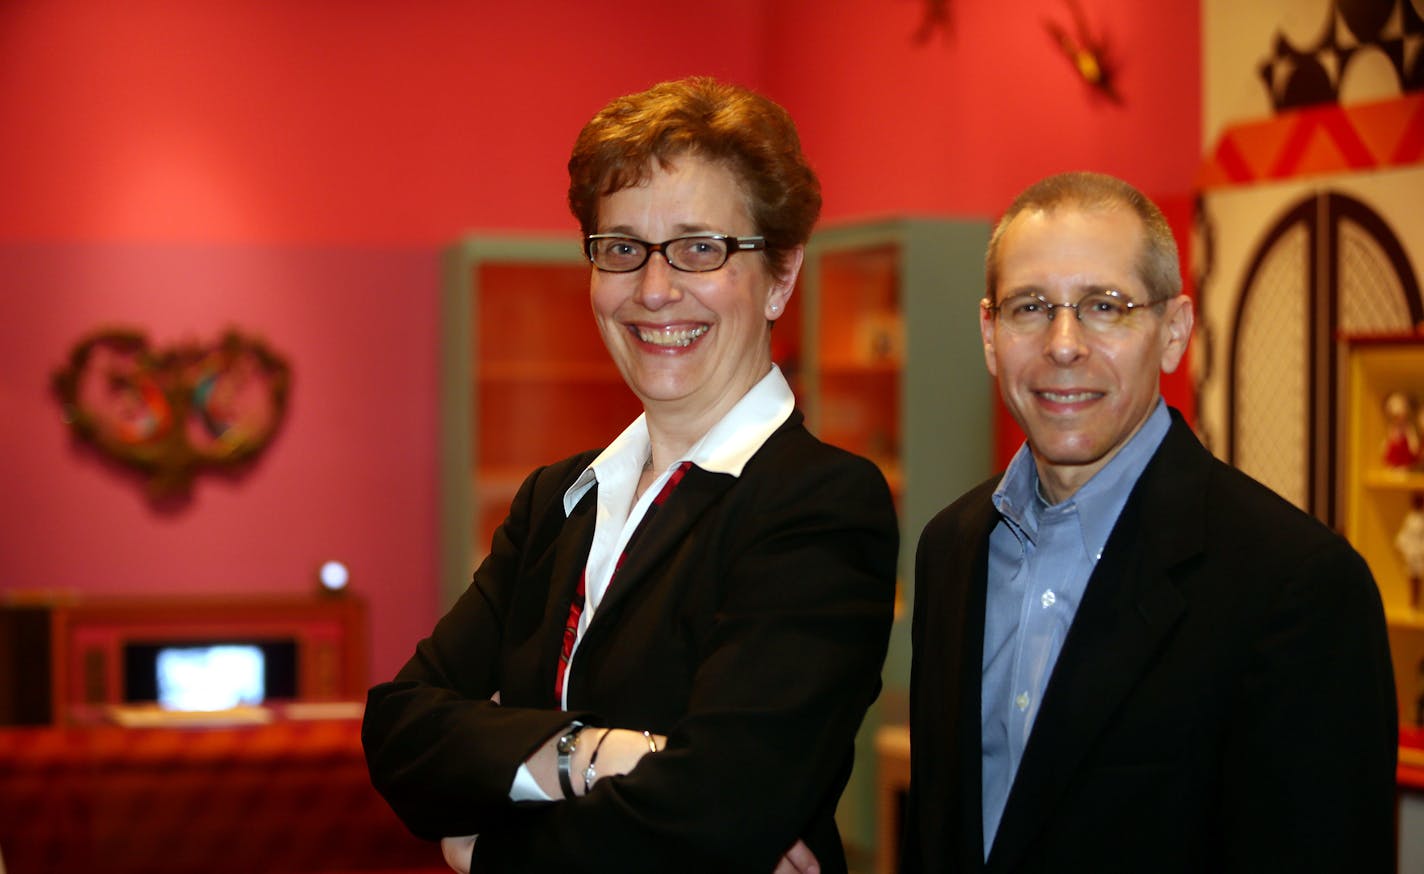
{"x": 173, "y": 412}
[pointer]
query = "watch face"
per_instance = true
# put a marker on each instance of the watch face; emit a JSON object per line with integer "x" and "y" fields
{"x": 567, "y": 742}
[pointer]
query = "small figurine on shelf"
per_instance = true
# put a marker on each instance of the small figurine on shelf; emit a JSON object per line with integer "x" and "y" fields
{"x": 1401, "y": 435}
{"x": 1410, "y": 543}
{"x": 1419, "y": 434}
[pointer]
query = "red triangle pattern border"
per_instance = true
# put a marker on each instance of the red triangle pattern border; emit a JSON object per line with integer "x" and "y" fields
{"x": 1318, "y": 141}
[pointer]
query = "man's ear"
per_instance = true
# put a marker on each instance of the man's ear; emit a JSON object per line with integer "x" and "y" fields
{"x": 1177, "y": 323}
{"x": 986, "y": 333}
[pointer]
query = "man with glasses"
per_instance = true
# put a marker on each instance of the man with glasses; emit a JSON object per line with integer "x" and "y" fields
{"x": 1127, "y": 655}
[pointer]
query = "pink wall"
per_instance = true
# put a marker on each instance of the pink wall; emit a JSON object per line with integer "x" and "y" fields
{"x": 350, "y": 475}
{"x": 293, "y": 169}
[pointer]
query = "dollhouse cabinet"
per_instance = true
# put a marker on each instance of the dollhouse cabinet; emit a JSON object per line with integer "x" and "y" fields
{"x": 1384, "y": 495}
{"x": 525, "y": 381}
{"x": 893, "y": 365}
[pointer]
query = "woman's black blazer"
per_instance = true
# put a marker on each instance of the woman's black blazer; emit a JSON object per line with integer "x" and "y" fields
{"x": 749, "y": 624}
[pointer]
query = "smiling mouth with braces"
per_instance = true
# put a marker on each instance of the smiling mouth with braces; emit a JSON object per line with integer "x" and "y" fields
{"x": 682, "y": 338}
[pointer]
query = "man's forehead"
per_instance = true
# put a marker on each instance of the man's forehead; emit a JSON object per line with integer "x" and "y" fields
{"x": 1077, "y": 239}
{"x": 1073, "y": 212}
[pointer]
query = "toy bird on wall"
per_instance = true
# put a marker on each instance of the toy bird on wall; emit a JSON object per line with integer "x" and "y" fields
{"x": 936, "y": 18}
{"x": 1088, "y": 53}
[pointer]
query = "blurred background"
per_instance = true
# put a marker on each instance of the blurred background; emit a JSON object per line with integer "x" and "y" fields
{"x": 367, "y": 189}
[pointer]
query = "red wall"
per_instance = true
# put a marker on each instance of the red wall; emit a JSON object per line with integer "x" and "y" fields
{"x": 960, "y": 123}
{"x": 293, "y": 169}
{"x": 331, "y": 121}
{"x": 965, "y": 120}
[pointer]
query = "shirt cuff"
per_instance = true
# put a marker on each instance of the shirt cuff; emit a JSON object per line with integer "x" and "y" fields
{"x": 525, "y": 787}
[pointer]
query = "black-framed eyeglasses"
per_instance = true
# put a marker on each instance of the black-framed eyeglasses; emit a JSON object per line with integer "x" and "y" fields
{"x": 696, "y": 253}
{"x": 1101, "y": 311}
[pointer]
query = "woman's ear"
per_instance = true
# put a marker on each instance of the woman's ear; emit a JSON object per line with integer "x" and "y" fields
{"x": 782, "y": 286}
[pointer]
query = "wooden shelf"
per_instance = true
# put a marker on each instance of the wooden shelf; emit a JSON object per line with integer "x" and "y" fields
{"x": 1404, "y": 617}
{"x": 1402, "y": 480}
{"x": 856, "y": 369}
{"x": 499, "y": 482}
{"x": 526, "y": 380}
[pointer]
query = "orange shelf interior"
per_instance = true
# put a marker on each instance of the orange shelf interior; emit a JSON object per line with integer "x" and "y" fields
{"x": 861, "y": 347}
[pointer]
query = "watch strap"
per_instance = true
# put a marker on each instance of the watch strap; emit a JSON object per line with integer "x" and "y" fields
{"x": 565, "y": 747}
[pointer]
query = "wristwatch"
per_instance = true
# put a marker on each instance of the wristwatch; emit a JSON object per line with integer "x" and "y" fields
{"x": 567, "y": 743}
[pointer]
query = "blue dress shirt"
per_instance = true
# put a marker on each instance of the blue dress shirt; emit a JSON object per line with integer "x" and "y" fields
{"x": 1040, "y": 559}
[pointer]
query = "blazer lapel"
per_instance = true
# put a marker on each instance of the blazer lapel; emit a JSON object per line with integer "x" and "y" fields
{"x": 570, "y": 557}
{"x": 664, "y": 531}
{"x": 697, "y": 491}
{"x": 1130, "y": 606}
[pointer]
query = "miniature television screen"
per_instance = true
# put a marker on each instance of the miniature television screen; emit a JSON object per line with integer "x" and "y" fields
{"x": 209, "y": 675}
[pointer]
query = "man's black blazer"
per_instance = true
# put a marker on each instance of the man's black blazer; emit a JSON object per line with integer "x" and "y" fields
{"x": 749, "y": 624}
{"x": 1224, "y": 699}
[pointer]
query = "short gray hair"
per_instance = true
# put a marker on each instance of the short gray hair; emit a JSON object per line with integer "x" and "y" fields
{"x": 1158, "y": 264}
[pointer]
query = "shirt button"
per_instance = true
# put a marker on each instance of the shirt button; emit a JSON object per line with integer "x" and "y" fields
{"x": 1021, "y": 702}
{"x": 1049, "y": 598}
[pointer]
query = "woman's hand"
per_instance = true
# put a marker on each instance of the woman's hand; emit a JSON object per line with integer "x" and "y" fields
{"x": 459, "y": 852}
{"x": 798, "y": 860}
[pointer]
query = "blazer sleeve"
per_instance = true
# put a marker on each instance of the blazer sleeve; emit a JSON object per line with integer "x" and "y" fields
{"x": 439, "y": 750}
{"x": 787, "y": 666}
{"x": 1309, "y": 764}
{"x": 941, "y": 826}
